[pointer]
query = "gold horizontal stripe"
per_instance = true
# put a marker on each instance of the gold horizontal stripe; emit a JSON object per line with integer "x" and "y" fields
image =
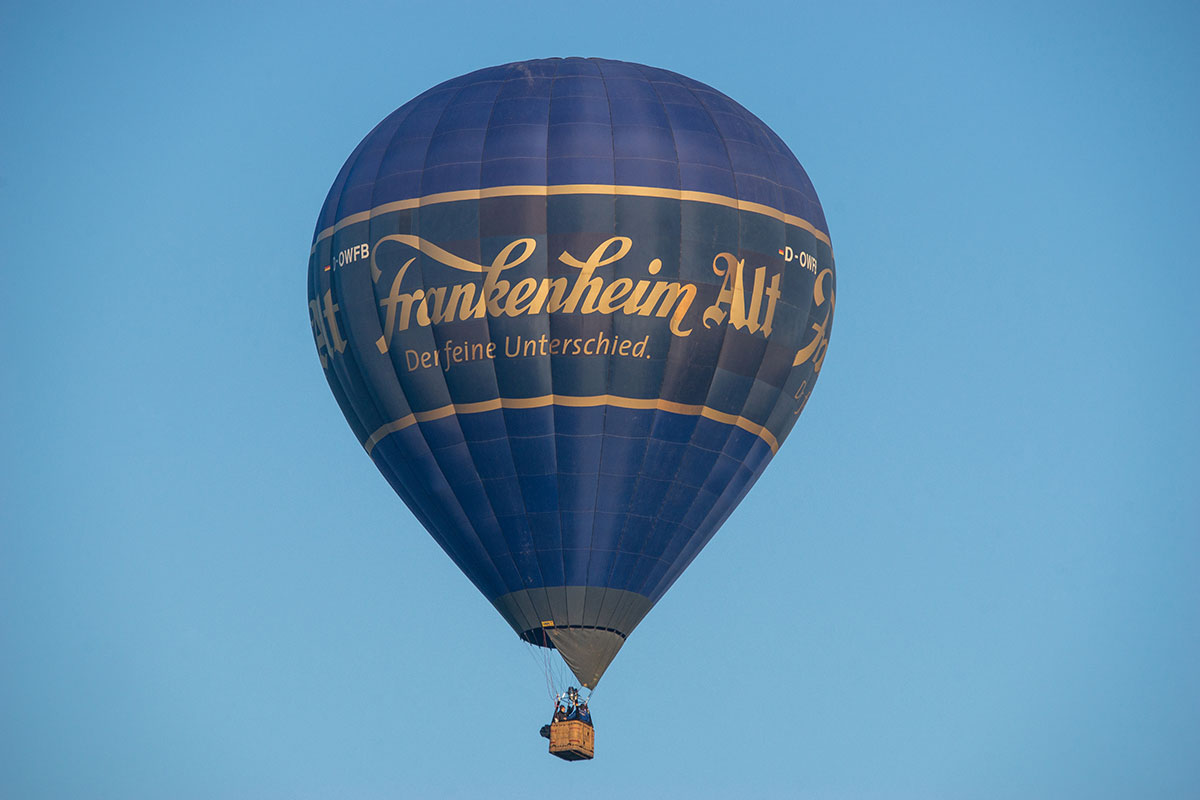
{"x": 571, "y": 188}
{"x": 572, "y": 402}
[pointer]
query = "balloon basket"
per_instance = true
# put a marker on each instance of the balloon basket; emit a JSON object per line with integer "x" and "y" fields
{"x": 572, "y": 740}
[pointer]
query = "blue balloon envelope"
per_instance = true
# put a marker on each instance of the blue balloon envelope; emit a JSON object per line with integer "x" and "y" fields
{"x": 571, "y": 308}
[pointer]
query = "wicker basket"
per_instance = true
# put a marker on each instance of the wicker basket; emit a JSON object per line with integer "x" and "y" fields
{"x": 573, "y": 740}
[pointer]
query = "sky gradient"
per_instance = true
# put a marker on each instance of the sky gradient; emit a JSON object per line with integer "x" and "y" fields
{"x": 970, "y": 572}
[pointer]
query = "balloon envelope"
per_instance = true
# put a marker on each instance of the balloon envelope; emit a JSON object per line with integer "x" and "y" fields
{"x": 571, "y": 308}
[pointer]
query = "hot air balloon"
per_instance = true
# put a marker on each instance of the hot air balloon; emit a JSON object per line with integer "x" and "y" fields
{"x": 571, "y": 308}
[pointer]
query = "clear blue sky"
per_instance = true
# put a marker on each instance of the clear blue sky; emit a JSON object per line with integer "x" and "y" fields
{"x": 972, "y": 571}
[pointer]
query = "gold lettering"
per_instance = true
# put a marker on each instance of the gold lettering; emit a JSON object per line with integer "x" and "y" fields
{"x": 733, "y": 297}
{"x": 462, "y": 297}
{"x": 495, "y": 289}
{"x": 613, "y": 293}
{"x": 433, "y": 308}
{"x": 804, "y": 402}
{"x": 633, "y": 306}
{"x": 451, "y": 260}
{"x": 491, "y": 296}
{"x": 760, "y": 278}
{"x": 773, "y": 295}
{"x": 520, "y": 292}
{"x": 550, "y": 295}
{"x": 394, "y": 298}
{"x": 819, "y": 345}
{"x": 593, "y": 285}
{"x": 586, "y": 292}
{"x": 671, "y": 294}
{"x": 732, "y": 294}
{"x": 318, "y": 327}
{"x": 597, "y": 259}
{"x": 331, "y": 327}
{"x": 714, "y": 314}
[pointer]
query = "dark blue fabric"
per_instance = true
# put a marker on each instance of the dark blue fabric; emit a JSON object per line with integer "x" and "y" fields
{"x": 535, "y": 522}
{"x": 565, "y": 121}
